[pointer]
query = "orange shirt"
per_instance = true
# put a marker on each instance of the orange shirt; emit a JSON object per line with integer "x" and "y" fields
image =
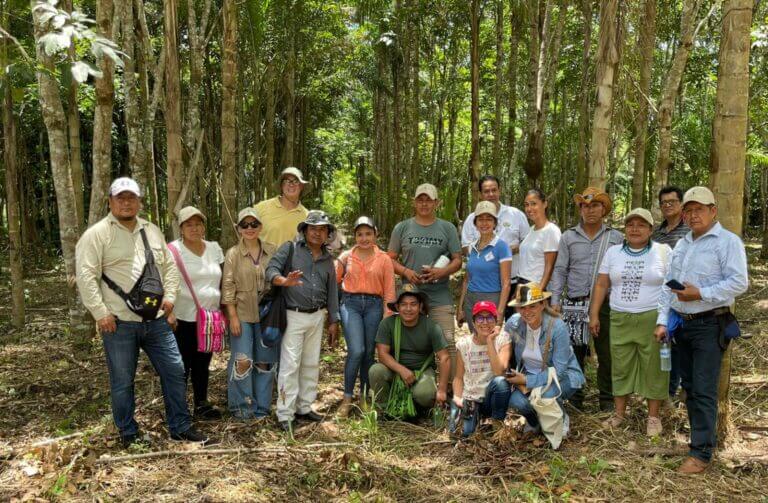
{"x": 373, "y": 276}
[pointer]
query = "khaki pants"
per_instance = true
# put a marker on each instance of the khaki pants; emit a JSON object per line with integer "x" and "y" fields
{"x": 444, "y": 316}
{"x": 424, "y": 391}
{"x": 299, "y": 363}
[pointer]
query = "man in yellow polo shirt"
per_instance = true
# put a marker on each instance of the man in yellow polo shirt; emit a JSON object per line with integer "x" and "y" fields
{"x": 281, "y": 215}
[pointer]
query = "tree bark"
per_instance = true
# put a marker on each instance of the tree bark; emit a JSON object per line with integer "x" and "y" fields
{"x": 581, "y": 156}
{"x": 728, "y": 149}
{"x": 647, "y": 43}
{"x": 73, "y": 128}
{"x": 499, "y": 89}
{"x": 229, "y": 170}
{"x": 56, "y": 126}
{"x": 474, "y": 163}
{"x": 514, "y": 49}
{"x": 269, "y": 126}
{"x": 175, "y": 154}
{"x": 607, "y": 63}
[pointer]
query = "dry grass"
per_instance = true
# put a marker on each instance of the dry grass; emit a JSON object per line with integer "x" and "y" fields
{"x": 46, "y": 391}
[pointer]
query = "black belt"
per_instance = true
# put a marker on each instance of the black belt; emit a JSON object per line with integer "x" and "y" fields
{"x": 362, "y": 295}
{"x": 705, "y": 314}
{"x": 305, "y": 310}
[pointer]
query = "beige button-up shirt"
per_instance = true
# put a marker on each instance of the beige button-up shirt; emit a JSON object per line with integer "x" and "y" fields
{"x": 244, "y": 282}
{"x": 109, "y": 247}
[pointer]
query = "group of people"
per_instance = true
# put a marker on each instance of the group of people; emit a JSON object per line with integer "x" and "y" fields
{"x": 535, "y": 300}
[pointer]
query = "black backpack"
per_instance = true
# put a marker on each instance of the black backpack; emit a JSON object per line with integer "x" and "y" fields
{"x": 146, "y": 296}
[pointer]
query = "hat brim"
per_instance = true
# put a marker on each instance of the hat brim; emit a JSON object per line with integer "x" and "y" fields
{"x": 516, "y": 303}
{"x": 630, "y": 217}
{"x": 303, "y": 226}
{"x": 601, "y": 198}
{"x": 419, "y": 295}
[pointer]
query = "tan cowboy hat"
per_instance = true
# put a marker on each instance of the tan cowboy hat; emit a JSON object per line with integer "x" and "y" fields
{"x": 593, "y": 194}
{"x": 529, "y": 293}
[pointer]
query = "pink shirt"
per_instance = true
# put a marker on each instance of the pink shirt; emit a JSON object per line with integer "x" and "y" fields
{"x": 373, "y": 276}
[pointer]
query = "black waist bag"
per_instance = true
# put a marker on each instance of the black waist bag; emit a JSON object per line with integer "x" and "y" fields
{"x": 146, "y": 296}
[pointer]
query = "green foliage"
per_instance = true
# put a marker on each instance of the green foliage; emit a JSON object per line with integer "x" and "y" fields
{"x": 340, "y": 196}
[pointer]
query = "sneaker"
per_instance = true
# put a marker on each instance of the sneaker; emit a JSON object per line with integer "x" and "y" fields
{"x": 310, "y": 416}
{"x": 131, "y": 439}
{"x": 207, "y": 412}
{"x": 614, "y": 421}
{"x": 191, "y": 435}
{"x": 345, "y": 408}
{"x": 692, "y": 466}
{"x": 653, "y": 427}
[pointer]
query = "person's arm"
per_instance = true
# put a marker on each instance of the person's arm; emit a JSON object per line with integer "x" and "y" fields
{"x": 499, "y": 358}
{"x": 434, "y": 274}
{"x": 171, "y": 277}
{"x": 549, "y": 265}
{"x": 460, "y": 308}
{"x": 559, "y": 356}
{"x": 88, "y": 254}
{"x": 388, "y": 280}
{"x": 444, "y": 362}
{"x": 505, "y": 269}
{"x": 274, "y": 270}
{"x": 333, "y": 307}
{"x": 458, "y": 381}
{"x": 229, "y": 292}
{"x": 559, "y": 273}
{"x": 733, "y": 264}
{"x": 602, "y": 285}
{"x": 386, "y": 358}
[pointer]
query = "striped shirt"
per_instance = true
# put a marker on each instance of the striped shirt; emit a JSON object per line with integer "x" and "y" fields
{"x": 670, "y": 237}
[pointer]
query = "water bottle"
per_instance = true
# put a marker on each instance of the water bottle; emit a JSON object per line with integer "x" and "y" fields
{"x": 666, "y": 357}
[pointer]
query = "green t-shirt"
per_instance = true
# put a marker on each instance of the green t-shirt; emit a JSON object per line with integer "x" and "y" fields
{"x": 421, "y": 245}
{"x": 417, "y": 343}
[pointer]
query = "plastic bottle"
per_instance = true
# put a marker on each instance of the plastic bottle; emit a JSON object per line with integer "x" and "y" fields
{"x": 666, "y": 357}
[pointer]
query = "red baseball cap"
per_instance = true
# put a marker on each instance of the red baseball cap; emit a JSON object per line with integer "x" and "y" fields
{"x": 484, "y": 305}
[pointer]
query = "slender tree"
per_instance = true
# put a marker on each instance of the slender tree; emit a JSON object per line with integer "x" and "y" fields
{"x": 581, "y": 159}
{"x": 474, "y": 163}
{"x": 174, "y": 153}
{"x": 229, "y": 121}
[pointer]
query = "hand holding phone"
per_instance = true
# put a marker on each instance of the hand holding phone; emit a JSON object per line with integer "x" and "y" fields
{"x": 675, "y": 285}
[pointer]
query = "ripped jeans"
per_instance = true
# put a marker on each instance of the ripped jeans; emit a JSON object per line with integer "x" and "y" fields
{"x": 250, "y": 373}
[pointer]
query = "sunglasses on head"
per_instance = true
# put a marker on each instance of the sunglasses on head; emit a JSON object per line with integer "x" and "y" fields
{"x": 253, "y": 224}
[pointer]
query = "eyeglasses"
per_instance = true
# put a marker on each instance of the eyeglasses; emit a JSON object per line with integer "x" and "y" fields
{"x": 253, "y": 224}
{"x": 670, "y": 202}
{"x": 291, "y": 181}
{"x": 485, "y": 319}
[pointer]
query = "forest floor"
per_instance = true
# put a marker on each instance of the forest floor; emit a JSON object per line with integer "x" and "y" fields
{"x": 57, "y": 440}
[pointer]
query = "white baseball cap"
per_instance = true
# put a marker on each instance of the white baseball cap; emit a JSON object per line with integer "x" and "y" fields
{"x": 124, "y": 184}
{"x": 699, "y": 195}
{"x": 640, "y": 213}
{"x": 428, "y": 189}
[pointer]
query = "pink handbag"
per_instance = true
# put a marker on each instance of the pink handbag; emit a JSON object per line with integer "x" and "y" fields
{"x": 211, "y": 323}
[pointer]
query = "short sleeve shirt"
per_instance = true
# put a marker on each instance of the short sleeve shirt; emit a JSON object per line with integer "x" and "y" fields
{"x": 483, "y": 266}
{"x": 417, "y": 343}
{"x": 422, "y": 245}
{"x": 532, "y": 250}
{"x": 636, "y": 280}
{"x": 477, "y": 365}
{"x": 205, "y": 274}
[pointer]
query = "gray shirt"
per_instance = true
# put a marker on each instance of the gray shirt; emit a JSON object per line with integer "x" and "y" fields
{"x": 577, "y": 258}
{"x": 670, "y": 237}
{"x": 318, "y": 287}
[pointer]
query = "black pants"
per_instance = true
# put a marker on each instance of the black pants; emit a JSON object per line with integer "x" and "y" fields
{"x": 700, "y": 353}
{"x": 603, "y": 350}
{"x": 195, "y": 363}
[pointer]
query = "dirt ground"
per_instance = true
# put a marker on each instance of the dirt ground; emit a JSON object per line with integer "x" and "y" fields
{"x": 57, "y": 440}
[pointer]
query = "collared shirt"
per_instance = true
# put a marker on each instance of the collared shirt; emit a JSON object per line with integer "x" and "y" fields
{"x": 373, "y": 276}
{"x": 512, "y": 228}
{"x": 109, "y": 247}
{"x": 577, "y": 257}
{"x": 483, "y": 266}
{"x": 243, "y": 283}
{"x": 672, "y": 236}
{"x": 318, "y": 287}
{"x": 716, "y": 263}
{"x": 278, "y": 223}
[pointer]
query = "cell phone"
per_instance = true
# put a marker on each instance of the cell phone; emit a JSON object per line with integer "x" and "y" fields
{"x": 510, "y": 372}
{"x": 675, "y": 285}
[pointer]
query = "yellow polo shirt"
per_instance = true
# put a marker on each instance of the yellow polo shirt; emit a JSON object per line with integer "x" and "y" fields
{"x": 279, "y": 224}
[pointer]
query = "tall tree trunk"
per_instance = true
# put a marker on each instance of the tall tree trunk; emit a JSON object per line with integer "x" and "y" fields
{"x": 102, "y": 121}
{"x": 647, "y": 42}
{"x": 73, "y": 128}
{"x": 56, "y": 126}
{"x": 728, "y": 150}
{"x": 581, "y": 156}
{"x": 229, "y": 121}
{"x": 688, "y": 30}
{"x": 607, "y": 63}
{"x": 269, "y": 126}
{"x": 515, "y": 27}
{"x": 10, "y": 160}
{"x": 474, "y": 163}
{"x": 289, "y": 79}
{"x": 764, "y": 208}
{"x": 175, "y": 154}
{"x": 499, "y": 88}
{"x": 415, "y": 90}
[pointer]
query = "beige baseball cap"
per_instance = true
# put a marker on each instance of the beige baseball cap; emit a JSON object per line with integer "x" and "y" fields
{"x": 291, "y": 171}
{"x": 486, "y": 208}
{"x": 428, "y": 189}
{"x": 699, "y": 195}
{"x": 188, "y": 212}
{"x": 248, "y": 211}
{"x": 641, "y": 213}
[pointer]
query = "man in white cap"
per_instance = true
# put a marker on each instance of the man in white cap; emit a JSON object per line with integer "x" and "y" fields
{"x": 710, "y": 263}
{"x": 425, "y": 251}
{"x": 123, "y": 253}
{"x": 282, "y": 214}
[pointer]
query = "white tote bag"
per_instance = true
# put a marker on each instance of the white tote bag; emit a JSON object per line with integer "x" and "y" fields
{"x": 549, "y": 412}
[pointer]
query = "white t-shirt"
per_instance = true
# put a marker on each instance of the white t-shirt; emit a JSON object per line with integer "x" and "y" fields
{"x": 636, "y": 280}
{"x": 532, "y": 250}
{"x": 205, "y": 274}
{"x": 477, "y": 365}
{"x": 532, "y": 357}
{"x": 512, "y": 228}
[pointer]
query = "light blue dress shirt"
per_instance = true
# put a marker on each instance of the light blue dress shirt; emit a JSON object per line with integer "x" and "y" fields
{"x": 716, "y": 263}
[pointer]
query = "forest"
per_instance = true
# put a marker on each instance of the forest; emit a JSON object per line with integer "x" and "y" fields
{"x": 204, "y": 102}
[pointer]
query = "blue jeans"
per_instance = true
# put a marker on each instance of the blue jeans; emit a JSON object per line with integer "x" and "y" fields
{"x": 700, "y": 358}
{"x": 360, "y": 316}
{"x": 520, "y": 403}
{"x": 249, "y": 390}
{"x": 122, "y": 351}
{"x": 493, "y": 405}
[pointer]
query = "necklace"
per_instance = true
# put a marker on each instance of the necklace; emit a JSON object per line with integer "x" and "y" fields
{"x": 632, "y": 253}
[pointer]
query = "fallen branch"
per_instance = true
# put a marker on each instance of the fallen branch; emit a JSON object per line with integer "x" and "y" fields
{"x": 49, "y": 441}
{"x": 660, "y": 451}
{"x": 216, "y": 452}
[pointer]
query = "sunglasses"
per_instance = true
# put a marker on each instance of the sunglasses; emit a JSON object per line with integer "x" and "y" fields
{"x": 253, "y": 224}
{"x": 485, "y": 319}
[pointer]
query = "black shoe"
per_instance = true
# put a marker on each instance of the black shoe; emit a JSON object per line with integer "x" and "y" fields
{"x": 607, "y": 406}
{"x": 191, "y": 435}
{"x": 207, "y": 412}
{"x": 286, "y": 426}
{"x": 310, "y": 416}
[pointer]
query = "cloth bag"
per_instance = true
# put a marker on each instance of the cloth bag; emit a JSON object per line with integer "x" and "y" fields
{"x": 211, "y": 323}
{"x": 272, "y": 314}
{"x": 548, "y": 411}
